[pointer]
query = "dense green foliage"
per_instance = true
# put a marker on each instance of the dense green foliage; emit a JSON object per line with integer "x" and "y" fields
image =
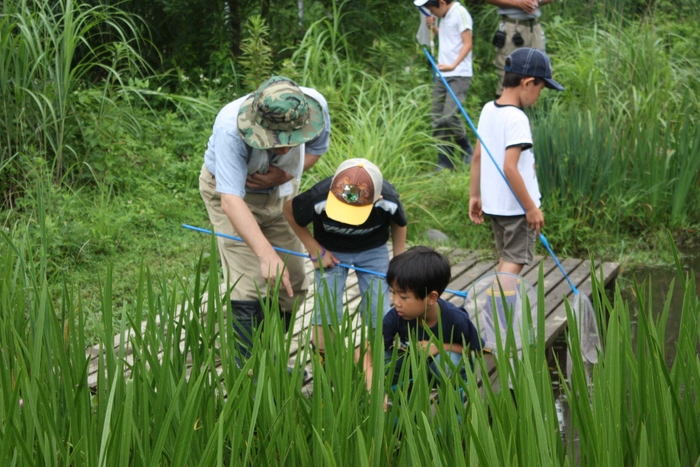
{"x": 105, "y": 110}
{"x": 161, "y": 397}
{"x": 116, "y": 137}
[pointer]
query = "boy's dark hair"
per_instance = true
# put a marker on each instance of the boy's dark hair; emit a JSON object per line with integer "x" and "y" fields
{"x": 436, "y": 3}
{"x": 512, "y": 80}
{"x": 419, "y": 270}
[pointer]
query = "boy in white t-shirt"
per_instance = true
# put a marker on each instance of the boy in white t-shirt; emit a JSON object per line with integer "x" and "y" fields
{"x": 455, "y": 64}
{"x": 505, "y": 131}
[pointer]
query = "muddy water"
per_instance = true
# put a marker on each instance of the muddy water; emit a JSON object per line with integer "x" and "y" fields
{"x": 659, "y": 281}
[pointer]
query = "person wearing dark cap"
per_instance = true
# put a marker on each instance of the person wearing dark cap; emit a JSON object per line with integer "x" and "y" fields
{"x": 505, "y": 132}
{"x": 519, "y": 27}
{"x": 353, "y": 215}
{"x": 259, "y": 147}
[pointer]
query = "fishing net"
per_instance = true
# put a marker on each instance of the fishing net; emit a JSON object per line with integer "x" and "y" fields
{"x": 587, "y": 327}
{"x": 499, "y": 302}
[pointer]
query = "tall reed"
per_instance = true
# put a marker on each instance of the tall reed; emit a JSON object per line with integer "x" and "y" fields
{"x": 169, "y": 389}
{"x": 616, "y": 151}
{"x": 49, "y": 51}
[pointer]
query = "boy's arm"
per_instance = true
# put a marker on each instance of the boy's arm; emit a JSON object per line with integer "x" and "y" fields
{"x": 463, "y": 52}
{"x": 365, "y": 354}
{"x": 314, "y": 248}
{"x": 431, "y": 23}
{"x": 475, "y": 213}
{"x": 433, "y": 350}
{"x": 368, "y": 368}
{"x": 398, "y": 238}
{"x": 534, "y": 216}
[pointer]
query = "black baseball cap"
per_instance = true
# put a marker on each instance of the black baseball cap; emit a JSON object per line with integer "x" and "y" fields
{"x": 534, "y": 63}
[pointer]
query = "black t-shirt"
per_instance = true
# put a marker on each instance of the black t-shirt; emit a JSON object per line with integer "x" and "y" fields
{"x": 457, "y": 328}
{"x": 310, "y": 206}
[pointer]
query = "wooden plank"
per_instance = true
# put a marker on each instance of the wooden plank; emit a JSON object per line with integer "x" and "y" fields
{"x": 466, "y": 267}
{"x": 556, "y": 319}
{"x": 463, "y": 280}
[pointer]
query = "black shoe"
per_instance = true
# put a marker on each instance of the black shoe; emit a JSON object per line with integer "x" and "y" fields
{"x": 467, "y": 149}
{"x": 445, "y": 155}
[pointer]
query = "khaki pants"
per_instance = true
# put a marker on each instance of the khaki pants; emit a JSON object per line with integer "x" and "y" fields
{"x": 532, "y": 36}
{"x": 240, "y": 265}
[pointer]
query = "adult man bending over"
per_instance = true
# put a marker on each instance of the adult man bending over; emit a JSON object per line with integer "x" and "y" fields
{"x": 259, "y": 147}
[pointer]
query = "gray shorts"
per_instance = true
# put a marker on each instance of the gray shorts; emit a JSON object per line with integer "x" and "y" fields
{"x": 515, "y": 240}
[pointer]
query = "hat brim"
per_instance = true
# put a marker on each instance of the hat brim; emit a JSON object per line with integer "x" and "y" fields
{"x": 341, "y": 212}
{"x": 552, "y": 84}
{"x": 263, "y": 138}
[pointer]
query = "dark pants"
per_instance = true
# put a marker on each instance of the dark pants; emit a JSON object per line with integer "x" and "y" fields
{"x": 438, "y": 368}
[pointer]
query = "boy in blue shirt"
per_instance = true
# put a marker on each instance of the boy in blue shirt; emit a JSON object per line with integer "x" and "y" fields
{"x": 353, "y": 214}
{"x": 416, "y": 279}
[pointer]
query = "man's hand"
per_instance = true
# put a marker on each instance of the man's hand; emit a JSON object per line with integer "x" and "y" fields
{"x": 535, "y": 219}
{"x": 270, "y": 266}
{"x": 443, "y": 67}
{"x": 274, "y": 177}
{"x": 528, "y": 6}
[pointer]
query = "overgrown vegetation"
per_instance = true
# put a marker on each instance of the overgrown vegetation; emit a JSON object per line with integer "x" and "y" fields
{"x": 117, "y": 143}
{"x": 172, "y": 393}
{"x": 105, "y": 112}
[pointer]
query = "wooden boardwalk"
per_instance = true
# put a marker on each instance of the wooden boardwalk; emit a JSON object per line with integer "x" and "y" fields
{"x": 466, "y": 268}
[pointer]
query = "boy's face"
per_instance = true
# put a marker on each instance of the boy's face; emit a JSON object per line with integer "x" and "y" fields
{"x": 531, "y": 92}
{"x": 440, "y": 10}
{"x": 407, "y": 304}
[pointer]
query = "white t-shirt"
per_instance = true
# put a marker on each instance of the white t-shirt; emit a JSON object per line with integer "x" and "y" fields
{"x": 456, "y": 21}
{"x": 501, "y": 127}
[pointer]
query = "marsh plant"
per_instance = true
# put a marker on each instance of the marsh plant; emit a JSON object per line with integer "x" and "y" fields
{"x": 48, "y": 53}
{"x": 82, "y": 113}
{"x": 167, "y": 388}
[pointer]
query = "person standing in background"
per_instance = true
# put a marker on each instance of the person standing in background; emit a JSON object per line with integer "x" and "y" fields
{"x": 455, "y": 63}
{"x": 519, "y": 27}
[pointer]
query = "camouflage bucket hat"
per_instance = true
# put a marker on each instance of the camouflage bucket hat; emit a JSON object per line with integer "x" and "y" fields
{"x": 278, "y": 114}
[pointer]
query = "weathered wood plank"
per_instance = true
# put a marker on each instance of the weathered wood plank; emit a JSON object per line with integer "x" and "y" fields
{"x": 466, "y": 268}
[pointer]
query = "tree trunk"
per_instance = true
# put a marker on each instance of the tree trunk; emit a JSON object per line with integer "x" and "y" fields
{"x": 232, "y": 15}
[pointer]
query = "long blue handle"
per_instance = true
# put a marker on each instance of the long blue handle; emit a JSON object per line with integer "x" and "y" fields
{"x": 543, "y": 239}
{"x": 302, "y": 255}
